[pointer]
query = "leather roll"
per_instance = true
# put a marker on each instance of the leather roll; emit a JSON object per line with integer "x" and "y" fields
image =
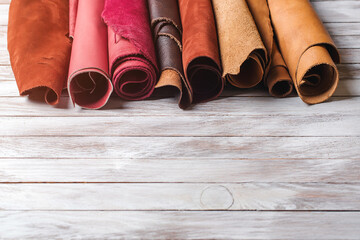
{"x": 277, "y": 77}
{"x": 307, "y": 48}
{"x": 242, "y": 50}
{"x": 132, "y": 55}
{"x": 201, "y": 58}
{"x": 39, "y": 46}
{"x": 89, "y": 84}
{"x": 167, "y": 33}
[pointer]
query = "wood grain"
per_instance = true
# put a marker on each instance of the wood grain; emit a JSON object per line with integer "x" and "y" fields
{"x": 180, "y": 147}
{"x": 179, "y": 225}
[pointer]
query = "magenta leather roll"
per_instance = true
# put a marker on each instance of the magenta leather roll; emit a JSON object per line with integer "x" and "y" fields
{"x": 89, "y": 84}
{"x": 132, "y": 56}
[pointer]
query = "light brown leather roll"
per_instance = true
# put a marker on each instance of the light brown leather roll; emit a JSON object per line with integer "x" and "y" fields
{"x": 307, "y": 48}
{"x": 277, "y": 77}
{"x": 241, "y": 48}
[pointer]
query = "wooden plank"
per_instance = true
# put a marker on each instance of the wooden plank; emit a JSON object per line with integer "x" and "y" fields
{"x": 219, "y": 126}
{"x": 232, "y": 106}
{"x": 338, "y": 11}
{"x": 180, "y": 196}
{"x": 179, "y": 225}
{"x": 181, "y": 147}
{"x": 179, "y": 170}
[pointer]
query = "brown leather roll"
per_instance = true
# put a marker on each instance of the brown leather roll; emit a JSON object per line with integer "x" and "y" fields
{"x": 201, "y": 58}
{"x": 307, "y": 48}
{"x": 166, "y": 27}
{"x": 39, "y": 46}
{"x": 242, "y": 50}
{"x": 277, "y": 77}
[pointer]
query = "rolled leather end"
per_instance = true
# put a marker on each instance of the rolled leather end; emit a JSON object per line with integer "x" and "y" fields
{"x": 279, "y": 82}
{"x": 132, "y": 55}
{"x": 167, "y": 32}
{"x": 201, "y": 58}
{"x": 312, "y": 55}
{"x": 278, "y": 79}
{"x": 39, "y": 47}
{"x": 243, "y": 53}
{"x": 89, "y": 85}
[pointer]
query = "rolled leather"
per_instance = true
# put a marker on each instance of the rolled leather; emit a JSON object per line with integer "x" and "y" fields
{"x": 201, "y": 58}
{"x": 241, "y": 47}
{"x": 167, "y": 33}
{"x": 276, "y": 77}
{"x": 39, "y": 46}
{"x": 132, "y": 57}
{"x": 307, "y": 48}
{"x": 89, "y": 84}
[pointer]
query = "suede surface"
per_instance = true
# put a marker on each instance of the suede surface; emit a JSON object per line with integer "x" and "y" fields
{"x": 311, "y": 55}
{"x": 89, "y": 84}
{"x": 201, "y": 58}
{"x": 132, "y": 55}
{"x": 39, "y": 46}
{"x": 242, "y": 50}
{"x": 167, "y": 32}
{"x": 276, "y": 77}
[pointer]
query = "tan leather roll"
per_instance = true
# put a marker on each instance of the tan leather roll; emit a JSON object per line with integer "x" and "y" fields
{"x": 307, "y": 48}
{"x": 241, "y": 48}
{"x": 277, "y": 77}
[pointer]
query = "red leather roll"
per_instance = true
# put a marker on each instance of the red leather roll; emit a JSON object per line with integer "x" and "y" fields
{"x": 89, "y": 84}
{"x": 201, "y": 57}
{"x": 132, "y": 55}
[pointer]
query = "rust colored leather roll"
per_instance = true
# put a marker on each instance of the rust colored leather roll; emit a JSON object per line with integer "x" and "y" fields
{"x": 89, "y": 84}
{"x": 132, "y": 56}
{"x": 307, "y": 48}
{"x": 39, "y": 46}
{"x": 167, "y": 31}
{"x": 241, "y": 48}
{"x": 277, "y": 77}
{"x": 201, "y": 58}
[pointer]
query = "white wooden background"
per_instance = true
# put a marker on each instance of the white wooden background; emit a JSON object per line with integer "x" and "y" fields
{"x": 246, "y": 166}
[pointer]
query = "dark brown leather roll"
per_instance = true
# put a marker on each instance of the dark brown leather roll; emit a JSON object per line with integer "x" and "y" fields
{"x": 166, "y": 27}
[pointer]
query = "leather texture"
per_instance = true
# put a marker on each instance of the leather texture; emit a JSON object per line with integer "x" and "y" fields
{"x": 201, "y": 58}
{"x": 310, "y": 55}
{"x": 276, "y": 77}
{"x": 89, "y": 84}
{"x": 242, "y": 50}
{"x": 132, "y": 55}
{"x": 167, "y": 33}
{"x": 73, "y": 9}
{"x": 39, "y": 46}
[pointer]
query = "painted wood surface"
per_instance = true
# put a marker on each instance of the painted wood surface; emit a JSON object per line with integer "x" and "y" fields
{"x": 246, "y": 166}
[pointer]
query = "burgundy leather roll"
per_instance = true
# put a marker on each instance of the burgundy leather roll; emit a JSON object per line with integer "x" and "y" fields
{"x": 201, "y": 58}
{"x": 167, "y": 31}
{"x": 89, "y": 84}
{"x": 39, "y": 46}
{"x": 132, "y": 55}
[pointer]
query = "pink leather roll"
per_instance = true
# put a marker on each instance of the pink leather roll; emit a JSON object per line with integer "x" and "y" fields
{"x": 131, "y": 49}
{"x": 89, "y": 84}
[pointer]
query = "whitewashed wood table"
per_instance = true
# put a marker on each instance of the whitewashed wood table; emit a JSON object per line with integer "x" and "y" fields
{"x": 246, "y": 166}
